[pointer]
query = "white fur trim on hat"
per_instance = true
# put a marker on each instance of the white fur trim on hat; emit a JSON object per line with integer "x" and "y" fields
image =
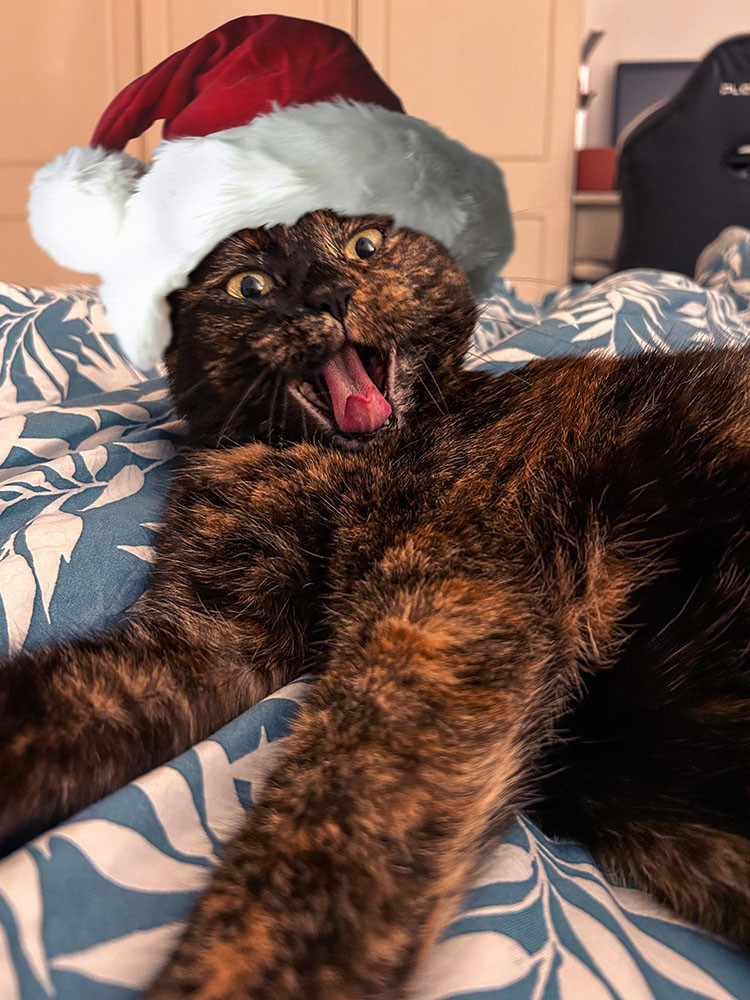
{"x": 145, "y": 232}
{"x": 77, "y": 205}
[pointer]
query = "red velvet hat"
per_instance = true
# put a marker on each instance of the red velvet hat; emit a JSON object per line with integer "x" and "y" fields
{"x": 245, "y": 68}
{"x": 266, "y": 118}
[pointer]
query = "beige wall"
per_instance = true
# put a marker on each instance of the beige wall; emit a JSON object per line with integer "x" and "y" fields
{"x": 496, "y": 74}
{"x": 652, "y": 30}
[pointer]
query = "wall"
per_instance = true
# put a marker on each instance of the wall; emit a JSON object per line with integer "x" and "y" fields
{"x": 497, "y": 75}
{"x": 652, "y": 30}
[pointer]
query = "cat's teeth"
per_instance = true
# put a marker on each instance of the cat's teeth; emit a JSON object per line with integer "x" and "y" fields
{"x": 313, "y": 395}
{"x": 311, "y": 401}
{"x": 321, "y": 391}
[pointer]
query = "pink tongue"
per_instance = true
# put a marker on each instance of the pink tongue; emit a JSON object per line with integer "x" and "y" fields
{"x": 358, "y": 405}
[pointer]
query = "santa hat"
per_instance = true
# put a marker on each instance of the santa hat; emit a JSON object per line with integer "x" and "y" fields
{"x": 266, "y": 118}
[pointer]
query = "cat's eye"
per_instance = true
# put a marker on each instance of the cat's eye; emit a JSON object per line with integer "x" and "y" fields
{"x": 364, "y": 244}
{"x": 249, "y": 284}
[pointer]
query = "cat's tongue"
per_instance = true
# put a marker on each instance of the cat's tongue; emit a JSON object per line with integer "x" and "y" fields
{"x": 358, "y": 405}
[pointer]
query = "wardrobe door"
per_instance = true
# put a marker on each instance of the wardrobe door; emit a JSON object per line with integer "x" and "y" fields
{"x": 63, "y": 60}
{"x": 67, "y": 60}
{"x": 501, "y": 77}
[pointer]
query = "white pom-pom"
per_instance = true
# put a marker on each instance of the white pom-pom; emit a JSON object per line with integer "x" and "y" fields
{"x": 78, "y": 202}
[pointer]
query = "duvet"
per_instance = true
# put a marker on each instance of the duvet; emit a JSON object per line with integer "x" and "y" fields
{"x": 90, "y": 909}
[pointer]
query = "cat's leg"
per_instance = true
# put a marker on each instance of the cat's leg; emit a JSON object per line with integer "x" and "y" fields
{"x": 701, "y": 873}
{"x": 83, "y": 718}
{"x": 420, "y": 738}
{"x": 654, "y": 773}
{"x": 211, "y": 637}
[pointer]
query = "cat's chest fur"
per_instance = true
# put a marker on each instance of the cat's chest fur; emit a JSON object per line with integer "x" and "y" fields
{"x": 309, "y": 526}
{"x": 348, "y": 506}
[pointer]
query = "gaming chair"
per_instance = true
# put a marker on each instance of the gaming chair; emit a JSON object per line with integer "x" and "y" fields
{"x": 684, "y": 171}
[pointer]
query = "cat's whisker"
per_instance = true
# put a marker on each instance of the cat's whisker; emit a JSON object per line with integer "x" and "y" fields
{"x": 193, "y": 388}
{"x": 511, "y": 372}
{"x": 246, "y": 395}
{"x": 274, "y": 399}
{"x": 284, "y": 411}
{"x": 437, "y": 385}
{"x": 414, "y": 369}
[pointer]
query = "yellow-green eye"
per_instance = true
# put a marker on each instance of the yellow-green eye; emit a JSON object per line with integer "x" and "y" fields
{"x": 364, "y": 244}
{"x": 249, "y": 284}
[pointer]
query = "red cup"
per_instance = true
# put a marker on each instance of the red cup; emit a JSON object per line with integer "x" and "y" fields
{"x": 596, "y": 169}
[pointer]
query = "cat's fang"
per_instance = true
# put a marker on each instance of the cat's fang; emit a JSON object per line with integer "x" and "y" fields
{"x": 313, "y": 402}
{"x": 316, "y": 395}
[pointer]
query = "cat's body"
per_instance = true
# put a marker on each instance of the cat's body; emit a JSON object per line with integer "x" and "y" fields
{"x": 531, "y": 591}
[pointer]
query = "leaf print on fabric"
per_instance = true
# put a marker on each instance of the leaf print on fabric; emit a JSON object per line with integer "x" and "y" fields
{"x": 8, "y": 976}
{"x": 130, "y": 961}
{"x": 255, "y": 766}
{"x": 624, "y": 314}
{"x": 21, "y": 891}
{"x": 71, "y": 470}
{"x": 480, "y": 961}
{"x": 17, "y": 594}
{"x": 86, "y": 443}
{"x": 42, "y": 337}
{"x": 50, "y": 538}
{"x": 163, "y": 450}
{"x": 578, "y": 941}
{"x": 11, "y": 429}
{"x": 168, "y": 858}
{"x": 145, "y": 553}
{"x": 509, "y": 863}
{"x": 223, "y": 810}
{"x": 94, "y": 459}
{"x": 607, "y": 953}
{"x": 125, "y": 857}
{"x": 612, "y": 944}
{"x": 575, "y": 980}
{"x": 173, "y": 802}
{"x": 724, "y": 267}
{"x": 678, "y": 968}
{"x": 125, "y": 483}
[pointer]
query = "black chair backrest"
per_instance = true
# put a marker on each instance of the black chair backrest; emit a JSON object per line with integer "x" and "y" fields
{"x": 684, "y": 171}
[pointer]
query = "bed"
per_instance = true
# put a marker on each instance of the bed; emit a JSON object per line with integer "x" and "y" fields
{"x": 90, "y": 909}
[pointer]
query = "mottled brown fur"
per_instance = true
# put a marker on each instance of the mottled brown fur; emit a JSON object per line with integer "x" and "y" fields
{"x": 530, "y": 591}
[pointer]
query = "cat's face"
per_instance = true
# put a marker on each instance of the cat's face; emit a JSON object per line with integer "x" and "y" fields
{"x": 336, "y": 329}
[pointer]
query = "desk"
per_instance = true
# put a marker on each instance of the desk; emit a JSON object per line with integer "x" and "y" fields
{"x": 595, "y": 232}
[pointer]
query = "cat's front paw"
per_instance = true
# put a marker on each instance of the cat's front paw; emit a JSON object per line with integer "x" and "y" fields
{"x": 265, "y": 931}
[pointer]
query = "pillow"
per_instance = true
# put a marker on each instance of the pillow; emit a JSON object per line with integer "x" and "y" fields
{"x": 56, "y": 345}
{"x": 624, "y": 314}
{"x": 90, "y": 909}
{"x": 86, "y": 442}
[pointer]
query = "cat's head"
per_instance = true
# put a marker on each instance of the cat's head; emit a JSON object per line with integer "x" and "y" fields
{"x": 335, "y": 329}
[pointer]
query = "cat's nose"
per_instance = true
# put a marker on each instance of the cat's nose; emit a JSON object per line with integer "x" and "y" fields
{"x": 333, "y": 299}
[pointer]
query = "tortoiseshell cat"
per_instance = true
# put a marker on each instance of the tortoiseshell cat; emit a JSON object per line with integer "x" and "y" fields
{"x": 529, "y": 591}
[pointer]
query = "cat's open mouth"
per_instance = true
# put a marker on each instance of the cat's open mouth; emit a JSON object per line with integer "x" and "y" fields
{"x": 351, "y": 396}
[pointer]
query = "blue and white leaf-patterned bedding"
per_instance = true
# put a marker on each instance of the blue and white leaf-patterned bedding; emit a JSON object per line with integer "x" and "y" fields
{"x": 90, "y": 909}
